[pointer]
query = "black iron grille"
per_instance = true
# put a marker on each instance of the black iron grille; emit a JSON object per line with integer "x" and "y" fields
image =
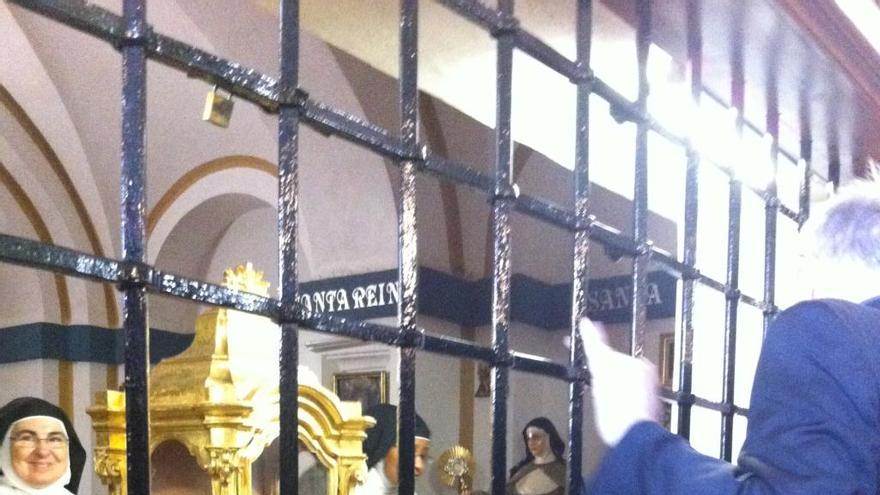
{"x": 137, "y": 42}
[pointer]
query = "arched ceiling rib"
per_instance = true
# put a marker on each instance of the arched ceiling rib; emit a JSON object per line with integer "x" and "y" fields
{"x": 63, "y": 200}
{"x": 29, "y": 93}
{"x": 200, "y": 172}
{"x": 39, "y": 225}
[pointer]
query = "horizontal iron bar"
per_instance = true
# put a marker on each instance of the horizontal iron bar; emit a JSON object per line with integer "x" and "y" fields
{"x": 677, "y": 268}
{"x": 213, "y": 294}
{"x": 609, "y": 237}
{"x": 243, "y": 82}
{"x": 542, "y": 366}
{"x": 546, "y": 211}
{"x": 750, "y": 301}
{"x": 69, "y": 262}
{"x": 711, "y": 283}
{"x": 671, "y": 396}
{"x": 26, "y": 252}
{"x": 788, "y": 212}
{"x": 447, "y": 169}
{"x": 672, "y": 265}
{"x": 545, "y": 54}
{"x": 356, "y": 130}
{"x": 34, "y": 254}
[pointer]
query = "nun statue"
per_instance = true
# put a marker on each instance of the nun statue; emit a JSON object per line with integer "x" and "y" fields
{"x": 542, "y": 470}
{"x": 40, "y": 453}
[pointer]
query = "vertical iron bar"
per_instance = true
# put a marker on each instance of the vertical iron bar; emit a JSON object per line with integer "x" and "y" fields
{"x": 640, "y": 189}
{"x": 133, "y": 201}
{"x": 771, "y": 205}
{"x": 833, "y": 139}
{"x": 806, "y": 154}
{"x": 833, "y": 159}
{"x": 580, "y": 263}
{"x": 691, "y": 210}
{"x": 288, "y": 184}
{"x": 408, "y": 270}
{"x": 733, "y": 232}
{"x": 730, "y": 318}
{"x": 501, "y": 208}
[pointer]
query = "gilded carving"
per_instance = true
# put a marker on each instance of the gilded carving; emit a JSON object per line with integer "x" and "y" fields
{"x": 223, "y": 464}
{"x": 219, "y": 398}
{"x": 110, "y": 466}
{"x": 245, "y": 278}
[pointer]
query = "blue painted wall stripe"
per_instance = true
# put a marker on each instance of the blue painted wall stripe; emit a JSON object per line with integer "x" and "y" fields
{"x": 80, "y": 343}
{"x": 366, "y": 296}
{"x": 468, "y": 303}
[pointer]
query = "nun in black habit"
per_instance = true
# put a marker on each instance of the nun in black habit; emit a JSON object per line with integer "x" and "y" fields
{"x": 40, "y": 453}
{"x": 380, "y": 446}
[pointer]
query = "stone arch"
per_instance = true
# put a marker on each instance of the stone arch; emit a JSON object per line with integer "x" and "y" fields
{"x": 32, "y": 100}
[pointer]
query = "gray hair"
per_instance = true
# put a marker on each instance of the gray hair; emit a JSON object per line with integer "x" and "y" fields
{"x": 849, "y": 228}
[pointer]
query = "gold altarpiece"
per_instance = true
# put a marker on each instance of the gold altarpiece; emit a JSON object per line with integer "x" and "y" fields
{"x": 219, "y": 399}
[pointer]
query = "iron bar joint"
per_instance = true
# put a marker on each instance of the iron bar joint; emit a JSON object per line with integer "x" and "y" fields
{"x": 769, "y": 309}
{"x": 292, "y": 96}
{"x": 136, "y": 34}
{"x": 691, "y": 273}
{"x": 728, "y": 409}
{"x": 583, "y": 75}
{"x": 291, "y": 314}
{"x": 502, "y": 358}
{"x": 418, "y": 156}
{"x": 645, "y": 249}
{"x": 134, "y": 275}
{"x": 578, "y": 374}
{"x": 413, "y": 339}
{"x": 627, "y": 113}
{"x": 584, "y": 224}
{"x": 505, "y": 192}
{"x": 505, "y": 26}
{"x": 684, "y": 399}
{"x": 732, "y": 294}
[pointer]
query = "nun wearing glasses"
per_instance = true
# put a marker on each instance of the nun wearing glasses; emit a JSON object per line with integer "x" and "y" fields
{"x": 40, "y": 453}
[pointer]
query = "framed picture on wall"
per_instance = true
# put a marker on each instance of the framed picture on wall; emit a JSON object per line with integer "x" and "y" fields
{"x": 367, "y": 387}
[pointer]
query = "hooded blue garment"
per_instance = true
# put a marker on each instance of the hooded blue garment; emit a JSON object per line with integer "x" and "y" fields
{"x": 814, "y": 418}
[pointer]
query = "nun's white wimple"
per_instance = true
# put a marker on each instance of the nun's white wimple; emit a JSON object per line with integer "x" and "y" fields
{"x": 9, "y": 476}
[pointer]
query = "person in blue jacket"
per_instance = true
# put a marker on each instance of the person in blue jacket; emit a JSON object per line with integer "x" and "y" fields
{"x": 814, "y": 417}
